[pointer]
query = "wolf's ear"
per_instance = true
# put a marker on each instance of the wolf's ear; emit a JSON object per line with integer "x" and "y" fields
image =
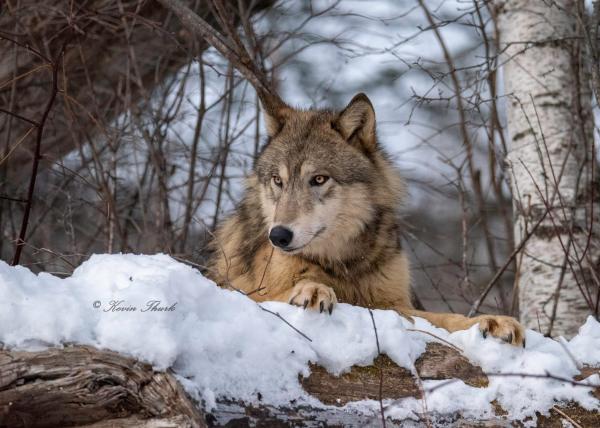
{"x": 275, "y": 117}
{"x": 358, "y": 120}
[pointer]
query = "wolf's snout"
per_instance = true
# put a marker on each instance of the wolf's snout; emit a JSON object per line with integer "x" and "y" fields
{"x": 281, "y": 236}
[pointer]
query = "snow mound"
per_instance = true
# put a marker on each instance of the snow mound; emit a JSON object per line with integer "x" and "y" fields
{"x": 222, "y": 344}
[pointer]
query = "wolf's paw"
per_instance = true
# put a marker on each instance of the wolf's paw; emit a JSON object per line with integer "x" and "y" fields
{"x": 313, "y": 295}
{"x": 506, "y": 328}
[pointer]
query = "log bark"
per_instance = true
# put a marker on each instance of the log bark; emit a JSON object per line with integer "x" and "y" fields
{"x": 438, "y": 362}
{"x": 551, "y": 159}
{"x": 83, "y": 386}
{"x": 86, "y": 387}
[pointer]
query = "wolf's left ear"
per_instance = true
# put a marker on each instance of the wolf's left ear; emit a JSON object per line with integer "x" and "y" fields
{"x": 275, "y": 117}
{"x": 357, "y": 120}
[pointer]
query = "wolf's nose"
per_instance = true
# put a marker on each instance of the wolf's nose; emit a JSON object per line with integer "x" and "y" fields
{"x": 281, "y": 236}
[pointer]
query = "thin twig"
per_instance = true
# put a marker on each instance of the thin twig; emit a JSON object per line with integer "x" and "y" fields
{"x": 564, "y": 415}
{"x": 436, "y": 337}
{"x": 507, "y": 263}
{"x": 286, "y": 321}
{"x": 18, "y": 116}
{"x": 380, "y": 371}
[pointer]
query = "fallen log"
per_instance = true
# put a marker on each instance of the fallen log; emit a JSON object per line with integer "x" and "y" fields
{"x": 87, "y": 387}
{"x": 84, "y": 386}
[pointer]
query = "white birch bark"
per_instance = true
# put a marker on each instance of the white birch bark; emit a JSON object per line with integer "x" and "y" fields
{"x": 550, "y": 157}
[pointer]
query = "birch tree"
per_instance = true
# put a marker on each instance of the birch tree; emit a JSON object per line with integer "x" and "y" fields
{"x": 551, "y": 162}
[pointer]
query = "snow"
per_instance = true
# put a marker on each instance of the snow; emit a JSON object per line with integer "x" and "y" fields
{"x": 584, "y": 347}
{"x": 220, "y": 343}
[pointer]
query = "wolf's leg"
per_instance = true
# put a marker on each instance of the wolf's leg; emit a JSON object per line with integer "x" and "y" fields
{"x": 503, "y": 327}
{"x": 311, "y": 294}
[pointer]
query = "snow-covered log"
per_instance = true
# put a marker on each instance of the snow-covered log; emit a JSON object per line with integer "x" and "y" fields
{"x": 439, "y": 362}
{"x": 170, "y": 330}
{"x": 85, "y": 386}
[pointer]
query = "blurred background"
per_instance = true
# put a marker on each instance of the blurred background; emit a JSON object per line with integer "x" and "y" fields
{"x": 145, "y": 150}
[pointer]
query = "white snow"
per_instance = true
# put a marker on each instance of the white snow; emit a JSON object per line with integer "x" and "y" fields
{"x": 220, "y": 343}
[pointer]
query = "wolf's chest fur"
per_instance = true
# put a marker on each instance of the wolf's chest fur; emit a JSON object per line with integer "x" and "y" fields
{"x": 369, "y": 269}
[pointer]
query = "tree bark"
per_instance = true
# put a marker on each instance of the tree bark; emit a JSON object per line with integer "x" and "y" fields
{"x": 86, "y": 387}
{"x": 551, "y": 162}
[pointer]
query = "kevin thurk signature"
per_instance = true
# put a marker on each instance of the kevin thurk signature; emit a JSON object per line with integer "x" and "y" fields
{"x": 150, "y": 306}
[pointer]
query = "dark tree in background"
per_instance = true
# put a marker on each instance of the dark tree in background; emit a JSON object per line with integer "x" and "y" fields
{"x": 108, "y": 60}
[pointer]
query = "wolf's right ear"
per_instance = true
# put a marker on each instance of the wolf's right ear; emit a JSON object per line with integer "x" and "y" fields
{"x": 358, "y": 120}
{"x": 275, "y": 117}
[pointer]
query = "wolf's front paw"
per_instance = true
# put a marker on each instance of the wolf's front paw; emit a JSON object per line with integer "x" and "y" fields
{"x": 502, "y": 327}
{"x": 313, "y": 295}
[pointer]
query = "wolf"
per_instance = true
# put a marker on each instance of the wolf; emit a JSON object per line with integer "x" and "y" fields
{"x": 319, "y": 222}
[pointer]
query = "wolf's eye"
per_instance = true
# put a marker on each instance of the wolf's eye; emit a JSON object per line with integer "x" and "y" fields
{"x": 277, "y": 180}
{"x": 318, "y": 180}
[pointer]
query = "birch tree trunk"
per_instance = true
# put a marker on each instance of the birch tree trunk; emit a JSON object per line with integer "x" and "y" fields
{"x": 550, "y": 159}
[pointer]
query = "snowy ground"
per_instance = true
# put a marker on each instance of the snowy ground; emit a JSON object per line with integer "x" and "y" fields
{"x": 220, "y": 343}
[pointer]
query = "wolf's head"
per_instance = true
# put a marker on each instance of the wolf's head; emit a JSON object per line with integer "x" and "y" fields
{"x": 323, "y": 180}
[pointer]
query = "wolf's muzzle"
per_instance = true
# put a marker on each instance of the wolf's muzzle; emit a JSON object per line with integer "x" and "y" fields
{"x": 281, "y": 236}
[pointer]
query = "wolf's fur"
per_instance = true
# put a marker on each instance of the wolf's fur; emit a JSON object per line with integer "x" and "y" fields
{"x": 346, "y": 239}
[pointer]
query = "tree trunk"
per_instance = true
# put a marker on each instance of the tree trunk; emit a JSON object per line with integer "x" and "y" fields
{"x": 550, "y": 158}
{"x": 86, "y": 387}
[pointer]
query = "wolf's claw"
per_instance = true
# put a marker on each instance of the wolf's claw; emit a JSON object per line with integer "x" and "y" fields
{"x": 504, "y": 328}
{"x": 313, "y": 295}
